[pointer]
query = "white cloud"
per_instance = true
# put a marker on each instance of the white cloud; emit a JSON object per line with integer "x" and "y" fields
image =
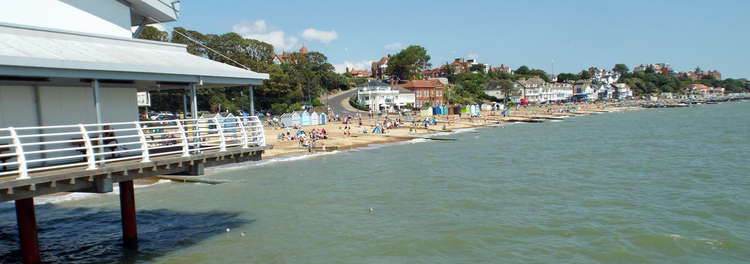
{"x": 359, "y": 65}
{"x": 324, "y": 37}
{"x": 259, "y": 30}
{"x": 394, "y": 46}
{"x": 473, "y": 56}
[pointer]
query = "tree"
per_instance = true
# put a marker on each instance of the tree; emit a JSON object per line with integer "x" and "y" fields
{"x": 152, "y": 33}
{"x": 522, "y": 70}
{"x": 506, "y": 86}
{"x": 477, "y": 68}
{"x": 408, "y": 62}
{"x": 620, "y": 68}
{"x": 584, "y": 75}
{"x": 566, "y": 77}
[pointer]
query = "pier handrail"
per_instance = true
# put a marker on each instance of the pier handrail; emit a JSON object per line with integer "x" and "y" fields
{"x": 89, "y": 146}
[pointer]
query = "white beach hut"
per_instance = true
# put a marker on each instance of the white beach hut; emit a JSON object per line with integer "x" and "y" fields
{"x": 314, "y": 119}
{"x": 296, "y": 116}
{"x": 486, "y": 107}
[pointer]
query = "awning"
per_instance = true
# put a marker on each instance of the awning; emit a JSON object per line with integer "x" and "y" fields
{"x": 37, "y": 52}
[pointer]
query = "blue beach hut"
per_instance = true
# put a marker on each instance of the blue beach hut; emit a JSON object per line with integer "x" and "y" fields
{"x": 304, "y": 119}
{"x": 229, "y": 123}
{"x": 323, "y": 118}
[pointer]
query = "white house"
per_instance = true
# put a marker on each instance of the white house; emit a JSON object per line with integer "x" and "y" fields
{"x": 534, "y": 89}
{"x": 383, "y": 97}
{"x": 584, "y": 90}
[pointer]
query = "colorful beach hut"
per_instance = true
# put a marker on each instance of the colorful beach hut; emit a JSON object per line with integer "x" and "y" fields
{"x": 229, "y": 122}
{"x": 474, "y": 110}
{"x": 323, "y": 118}
{"x": 304, "y": 119}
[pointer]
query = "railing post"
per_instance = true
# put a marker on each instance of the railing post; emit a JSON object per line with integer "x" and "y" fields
{"x": 183, "y": 136}
{"x": 90, "y": 158}
{"x": 262, "y": 133}
{"x": 144, "y": 144}
{"x": 244, "y": 133}
{"x": 23, "y": 171}
{"x": 220, "y": 129}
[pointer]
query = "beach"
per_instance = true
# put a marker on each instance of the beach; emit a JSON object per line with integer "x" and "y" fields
{"x": 339, "y": 140}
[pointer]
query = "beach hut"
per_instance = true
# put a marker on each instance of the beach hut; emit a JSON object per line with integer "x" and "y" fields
{"x": 286, "y": 119}
{"x": 466, "y": 110}
{"x": 295, "y": 118}
{"x": 486, "y": 107}
{"x": 314, "y": 119}
{"x": 304, "y": 119}
{"x": 426, "y": 112}
{"x": 323, "y": 119}
{"x": 209, "y": 120}
{"x": 474, "y": 110}
{"x": 229, "y": 122}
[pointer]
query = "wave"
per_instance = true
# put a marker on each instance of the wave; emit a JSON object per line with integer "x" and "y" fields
{"x": 258, "y": 163}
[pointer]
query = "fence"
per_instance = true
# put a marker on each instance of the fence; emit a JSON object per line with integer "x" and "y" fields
{"x": 32, "y": 149}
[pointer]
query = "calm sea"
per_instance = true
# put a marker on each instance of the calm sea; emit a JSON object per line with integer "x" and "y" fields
{"x": 647, "y": 186}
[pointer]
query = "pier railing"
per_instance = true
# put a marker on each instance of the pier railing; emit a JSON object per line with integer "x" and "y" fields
{"x": 25, "y": 150}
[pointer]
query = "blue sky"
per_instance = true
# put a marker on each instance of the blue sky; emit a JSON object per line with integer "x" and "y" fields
{"x": 573, "y": 34}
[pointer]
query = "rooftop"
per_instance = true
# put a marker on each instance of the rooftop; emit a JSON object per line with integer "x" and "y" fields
{"x": 38, "y": 52}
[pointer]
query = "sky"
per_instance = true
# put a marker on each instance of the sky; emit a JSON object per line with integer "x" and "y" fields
{"x": 555, "y": 36}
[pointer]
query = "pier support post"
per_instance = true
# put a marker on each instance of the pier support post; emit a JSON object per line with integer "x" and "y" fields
{"x": 197, "y": 169}
{"x": 127, "y": 209}
{"x": 26, "y": 218}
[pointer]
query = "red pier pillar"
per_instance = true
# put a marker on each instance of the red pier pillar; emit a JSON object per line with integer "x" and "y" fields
{"x": 26, "y": 218}
{"x": 127, "y": 209}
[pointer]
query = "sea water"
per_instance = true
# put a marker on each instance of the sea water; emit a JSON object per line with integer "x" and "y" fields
{"x": 646, "y": 186}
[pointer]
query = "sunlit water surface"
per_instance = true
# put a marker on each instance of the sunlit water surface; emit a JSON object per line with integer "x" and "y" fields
{"x": 647, "y": 186}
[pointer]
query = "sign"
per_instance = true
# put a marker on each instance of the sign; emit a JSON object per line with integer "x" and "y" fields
{"x": 143, "y": 98}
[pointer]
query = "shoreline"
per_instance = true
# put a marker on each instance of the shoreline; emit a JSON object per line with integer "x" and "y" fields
{"x": 337, "y": 140}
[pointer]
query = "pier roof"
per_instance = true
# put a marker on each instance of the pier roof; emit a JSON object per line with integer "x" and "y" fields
{"x": 38, "y": 52}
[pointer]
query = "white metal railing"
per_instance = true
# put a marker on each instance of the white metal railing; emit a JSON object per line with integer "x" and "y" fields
{"x": 30, "y": 149}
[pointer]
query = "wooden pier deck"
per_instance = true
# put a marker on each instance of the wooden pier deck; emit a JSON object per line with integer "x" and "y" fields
{"x": 100, "y": 180}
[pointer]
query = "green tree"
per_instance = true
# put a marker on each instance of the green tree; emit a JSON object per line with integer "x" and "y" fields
{"x": 584, "y": 75}
{"x": 506, "y": 87}
{"x": 408, "y": 62}
{"x": 152, "y": 33}
{"x": 620, "y": 68}
{"x": 522, "y": 70}
{"x": 565, "y": 77}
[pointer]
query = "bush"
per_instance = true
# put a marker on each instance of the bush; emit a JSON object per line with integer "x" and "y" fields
{"x": 316, "y": 102}
{"x": 356, "y": 104}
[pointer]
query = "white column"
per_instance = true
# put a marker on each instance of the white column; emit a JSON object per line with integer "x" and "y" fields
{"x": 252, "y": 101}
{"x": 97, "y": 102}
{"x": 194, "y": 101}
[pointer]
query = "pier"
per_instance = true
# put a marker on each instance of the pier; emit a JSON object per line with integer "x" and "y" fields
{"x": 93, "y": 157}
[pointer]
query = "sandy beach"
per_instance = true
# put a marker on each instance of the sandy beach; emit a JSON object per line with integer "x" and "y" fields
{"x": 338, "y": 140}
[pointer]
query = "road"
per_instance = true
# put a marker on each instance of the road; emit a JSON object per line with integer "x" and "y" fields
{"x": 339, "y": 103}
